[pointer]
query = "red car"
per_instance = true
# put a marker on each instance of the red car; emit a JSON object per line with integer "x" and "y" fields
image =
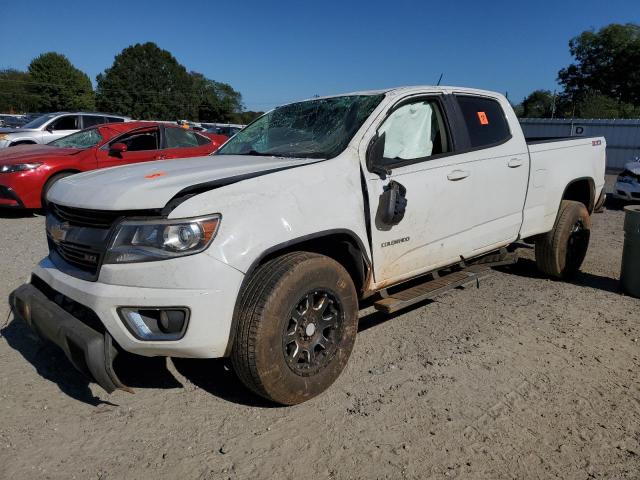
{"x": 28, "y": 171}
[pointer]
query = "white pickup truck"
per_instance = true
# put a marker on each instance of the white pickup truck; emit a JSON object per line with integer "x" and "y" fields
{"x": 263, "y": 251}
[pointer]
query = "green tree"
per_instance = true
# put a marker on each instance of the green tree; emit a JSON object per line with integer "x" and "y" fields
{"x": 539, "y": 104}
{"x": 597, "y": 105}
{"x": 147, "y": 82}
{"x": 56, "y": 84}
{"x": 15, "y": 96}
{"x": 607, "y": 62}
{"x": 216, "y": 101}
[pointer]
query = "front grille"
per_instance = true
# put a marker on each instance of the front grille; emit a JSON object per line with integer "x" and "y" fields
{"x": 95, "y": 218}
{"x": 78, "y": 238}
{"x": 82, "y": 257}
{"x": 635, "y": 194}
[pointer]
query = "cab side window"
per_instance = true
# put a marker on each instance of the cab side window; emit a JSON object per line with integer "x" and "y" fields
{"x": 414, "y": 131}
{"x": 485, "y": 121}
{"x": 180, "y": 138}
{"x": 69, "y": 122}
{"x": 141, "y": 140}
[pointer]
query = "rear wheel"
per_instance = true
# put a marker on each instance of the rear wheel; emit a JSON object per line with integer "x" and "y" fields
{"x": 49, "y": 184}
{"x": 296, "y": 327}
{"x": 560, "y": 252}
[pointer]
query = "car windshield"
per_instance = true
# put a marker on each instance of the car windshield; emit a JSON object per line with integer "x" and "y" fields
{"x": 82, "y": 139}
{"x": 319, "y": 128}
{"x": 38, "y": 122}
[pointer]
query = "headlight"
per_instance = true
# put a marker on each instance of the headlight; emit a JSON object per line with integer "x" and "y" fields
{"x": 20, "y": 167}
{"x": 147, "y": 241}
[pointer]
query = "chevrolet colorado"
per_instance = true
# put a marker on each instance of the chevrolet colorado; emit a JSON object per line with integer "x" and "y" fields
{"x": 263, "y": 253}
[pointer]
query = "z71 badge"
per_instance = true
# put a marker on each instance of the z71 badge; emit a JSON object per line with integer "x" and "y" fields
{"x": 394, "y": 242}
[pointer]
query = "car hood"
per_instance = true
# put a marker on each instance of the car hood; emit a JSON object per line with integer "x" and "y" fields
{"x": 633, "y": 167}
{"x": 33, "y": 153}
{"x": 17, "y": 130}
{"x": 151, "y": 185}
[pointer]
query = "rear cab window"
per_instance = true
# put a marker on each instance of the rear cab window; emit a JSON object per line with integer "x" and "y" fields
{"x": 485, "y": 120}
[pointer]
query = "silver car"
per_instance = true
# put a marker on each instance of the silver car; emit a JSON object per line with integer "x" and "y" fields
{"x": 52, "y": 126}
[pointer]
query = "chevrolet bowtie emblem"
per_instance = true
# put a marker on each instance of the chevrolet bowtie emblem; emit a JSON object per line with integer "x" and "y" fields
{"x": 59, "y": 231}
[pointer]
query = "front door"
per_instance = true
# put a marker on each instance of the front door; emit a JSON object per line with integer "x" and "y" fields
{"x": 61, "y": 127}
{"x": 440, "y": 189}
{"x": 143, "y": 145}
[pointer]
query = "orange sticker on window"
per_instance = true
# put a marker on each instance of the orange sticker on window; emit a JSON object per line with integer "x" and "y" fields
{"x": 483, "y": 118}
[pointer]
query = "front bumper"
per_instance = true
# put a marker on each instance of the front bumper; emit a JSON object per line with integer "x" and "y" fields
{"x": 627, "y": 191}
{"x": 168, "y": 283}
{"x": 9, "y": 198}
{"x": 89, "y": 350}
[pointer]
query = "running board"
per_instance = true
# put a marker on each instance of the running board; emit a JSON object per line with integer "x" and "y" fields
{"x": 439, "y": 284}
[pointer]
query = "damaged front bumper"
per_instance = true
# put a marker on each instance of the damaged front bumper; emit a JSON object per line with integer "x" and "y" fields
{"x": 89, "y": 348}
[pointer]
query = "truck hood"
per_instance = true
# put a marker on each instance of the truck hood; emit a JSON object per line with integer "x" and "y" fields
{"x": 33, "y": 153}
{"x": 151, "y": 185}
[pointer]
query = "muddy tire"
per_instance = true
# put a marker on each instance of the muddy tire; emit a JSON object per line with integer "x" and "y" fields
{"x": 48, "y": 185}
{"x": 296, "y": 327}
{"x": 560, "y": 252}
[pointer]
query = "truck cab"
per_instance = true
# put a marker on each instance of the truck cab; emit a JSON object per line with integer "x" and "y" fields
{"x": 263, "y": 253}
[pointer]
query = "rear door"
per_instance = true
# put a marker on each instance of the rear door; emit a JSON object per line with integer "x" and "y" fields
{"x": 92, "y": 120}
{"x": 143, "y": 145}
{"x": 500, "y": 160}
{"x": 182, "y": 143}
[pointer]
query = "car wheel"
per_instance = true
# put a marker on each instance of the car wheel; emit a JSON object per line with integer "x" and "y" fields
{"x": 49, "y": 184}
{"x": 297, "y": 324}
{"x": 560, "y": 252}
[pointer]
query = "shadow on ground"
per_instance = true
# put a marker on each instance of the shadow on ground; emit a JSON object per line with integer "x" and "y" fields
{"x": 51, "y": 363}
{"x": 527, "y": 268}
{"x": 17, "y": 213}
{"x": 216, "y": 377}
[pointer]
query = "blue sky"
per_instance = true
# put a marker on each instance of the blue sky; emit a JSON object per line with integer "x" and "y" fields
{"x": 274, "y": 52}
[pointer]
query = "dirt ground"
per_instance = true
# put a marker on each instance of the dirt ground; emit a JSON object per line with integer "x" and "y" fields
{"x": 522, "y": 378}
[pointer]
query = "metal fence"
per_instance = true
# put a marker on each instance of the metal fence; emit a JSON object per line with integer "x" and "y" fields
{"x": 623, "y": 136}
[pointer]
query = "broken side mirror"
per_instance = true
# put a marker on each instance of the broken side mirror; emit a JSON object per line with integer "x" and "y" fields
{"x": 375, "y": 156}
{"x": 393, "y": 204}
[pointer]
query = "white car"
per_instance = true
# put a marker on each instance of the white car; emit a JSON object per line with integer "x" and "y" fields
{"x": 628, "y": 183}
{"x": 53, "y": 126}
{"x": 263, "y": 251}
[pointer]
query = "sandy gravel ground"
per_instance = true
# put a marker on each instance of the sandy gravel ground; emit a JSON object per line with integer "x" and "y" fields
{"x": 522, "y": 378}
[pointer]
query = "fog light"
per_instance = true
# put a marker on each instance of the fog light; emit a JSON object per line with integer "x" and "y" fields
{"x": 151, "y": 323}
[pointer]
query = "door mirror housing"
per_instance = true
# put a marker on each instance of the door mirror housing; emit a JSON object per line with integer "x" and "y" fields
{"x": 117, "y": 149}
{"x": 375, "y": 155}
{"x": 49, "y": 128}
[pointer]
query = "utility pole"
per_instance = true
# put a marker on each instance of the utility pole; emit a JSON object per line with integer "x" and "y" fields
{"x": 553, "y": 105}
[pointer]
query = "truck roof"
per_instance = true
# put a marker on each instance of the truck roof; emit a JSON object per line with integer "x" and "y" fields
{"x": 409, "y": 89}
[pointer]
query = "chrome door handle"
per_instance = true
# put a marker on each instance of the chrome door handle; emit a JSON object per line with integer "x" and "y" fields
{"x": 458, "y": 175}
{"x": 515, "y": 163}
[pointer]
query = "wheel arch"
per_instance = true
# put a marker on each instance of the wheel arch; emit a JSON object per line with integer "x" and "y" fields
{"x": 342, "y": 245}
{"x": 22, "y": 142}
{"x": 581, "y": 190}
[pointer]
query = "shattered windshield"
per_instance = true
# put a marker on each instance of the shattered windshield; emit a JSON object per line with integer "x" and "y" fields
{"x": 319, "y": 128}
{"x": 82, "y": 139}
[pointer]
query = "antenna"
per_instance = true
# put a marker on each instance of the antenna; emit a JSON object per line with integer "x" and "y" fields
{"x": 439, "y": 80}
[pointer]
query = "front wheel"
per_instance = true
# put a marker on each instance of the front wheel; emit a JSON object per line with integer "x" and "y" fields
{"x": 560, "y": 252}
{"x": 297, "y": 324}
